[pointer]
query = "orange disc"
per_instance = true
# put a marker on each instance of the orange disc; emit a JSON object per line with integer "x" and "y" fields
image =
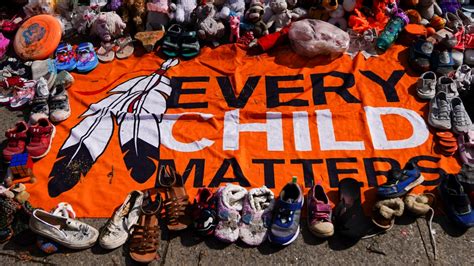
{"x": 447, "y": 144}
{"x": 38, "y": 37}
{"x": 445, "y": 134}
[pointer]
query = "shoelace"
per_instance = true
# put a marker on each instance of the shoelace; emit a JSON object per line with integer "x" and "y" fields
{"x": 459, "y": 117}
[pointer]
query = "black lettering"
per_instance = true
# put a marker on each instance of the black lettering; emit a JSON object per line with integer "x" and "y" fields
{"x": 239, "y": 175}
{"x": 428, "y": 170}
{"x": 369, "y": 164}
{"x": 273, "y": 91}
{"x": 334, "y": 172}
{"x": 308, "y": 173}
{"x": 269, "y": 169}
{"x": 229, "y": 95}
{"x": 319, "y": 90}
{"x": 177, "y": 85}
{"x": 388, "y": 86}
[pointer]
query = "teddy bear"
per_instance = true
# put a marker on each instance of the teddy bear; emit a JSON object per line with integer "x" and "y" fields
{"x": 428, "y": 9}
{"x": 108, "y": 26}
{"x": 209, "y": 28}
{"x": 234, "y": 7}
{"x": 337, "y": 18}
{"x": 254, "y": 15}
{"x": 158, "y": 14}
{"x": 183, "y": 10}
{"x": 133, "y": 13}
{"x": 281, "y": 15}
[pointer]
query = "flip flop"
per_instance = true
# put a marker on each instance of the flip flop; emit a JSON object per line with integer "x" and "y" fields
{"x": 171, "y": 40}
{"x": 150, "y": 38}
{"x": 106, "y": 52}
{"x": 349, "y": 217}
{"x": 125, "y": 47}
{"x": 86, "y": 57}
{"x": 189, "y": 45}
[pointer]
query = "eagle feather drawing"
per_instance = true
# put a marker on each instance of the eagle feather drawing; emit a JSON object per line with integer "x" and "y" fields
{"x": 137, "y": 106}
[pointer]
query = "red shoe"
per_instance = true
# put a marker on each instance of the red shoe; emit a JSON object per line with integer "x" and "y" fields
{"x": 16, "y": 140}
{"x": 41, "y": 136}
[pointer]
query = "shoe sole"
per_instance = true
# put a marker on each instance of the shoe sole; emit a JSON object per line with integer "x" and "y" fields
{"x": 321, "y": 235}
{"x": 289, "y": 241}
{"x": 49, "y": 147}
{"x": 59, "y": 241}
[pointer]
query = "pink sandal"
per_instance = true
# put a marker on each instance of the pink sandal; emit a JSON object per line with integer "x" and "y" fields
{"x": 4, "y": 42}
{"x": 23, "y": 95}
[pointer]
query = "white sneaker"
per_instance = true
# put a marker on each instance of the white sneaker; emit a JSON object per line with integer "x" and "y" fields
{"x": 70, "y": 233}
{"x": 117, "y": 229}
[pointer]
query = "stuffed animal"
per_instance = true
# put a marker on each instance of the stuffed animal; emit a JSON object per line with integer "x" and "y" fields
{"x": 208, "y": 28}
{"x": 37, "y": 7}
{"x": 158, "y": 14}
{"x": 183, "y": 10}
{"x": 234, "y": 24}
{"x": 133, "y": 14}
{"x": 321, "y": 9}
{"x": 281, "y": 15}
{"x": 337, "y": 18}
{"x": 108, "y": 26}
{"x": 234, "y": 7}
{"x": 254, "y": 15}
{"x": 428, "y": 9}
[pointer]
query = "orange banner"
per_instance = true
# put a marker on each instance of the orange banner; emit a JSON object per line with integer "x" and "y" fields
{"x": 226, "y": 116}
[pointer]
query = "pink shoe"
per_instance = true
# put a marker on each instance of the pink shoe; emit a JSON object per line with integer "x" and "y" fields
{"x": 466, "y": 147}
{"x": 23, "y": 95}
{"x": 4, "y": 42}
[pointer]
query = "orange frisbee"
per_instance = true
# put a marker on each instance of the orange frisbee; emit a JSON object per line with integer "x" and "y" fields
{"x": 38, "y": 37}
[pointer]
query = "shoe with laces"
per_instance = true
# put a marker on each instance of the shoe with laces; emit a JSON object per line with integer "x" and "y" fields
{"x": 285, "y": 225}
{"x": 41, "y": 137}
{"x": 118, "y": 228}
{"x": 68, "y": 232}
{"x": 400, "y": 181}
{"x": 460, "y": 119}
{"x": 59, "y": 105}
{"x": 426, "y": 85}
{"x": 39, "y": 105}
{"x": 16, "y": 140}
{"x": 440, "y": 111}
{"x": 319, "y": 212}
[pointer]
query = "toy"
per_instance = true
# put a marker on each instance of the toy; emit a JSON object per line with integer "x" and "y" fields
{"x": 208, "y": 28}
{"x": 254, "y": 15}
{"x": 108, "y": 26}
{"x": 337, "y": 18}
{"x": 158, "y": 14}
{"x": 21, "y": 166}
{"x": 281, "y": 15}
{"x": 234, "y": 23}
{"x": 183, "y": 10}
{"x": 428, "y": 9}
{"x": 37, "y": 7}
{"x": 232, "y": 7}
{"x": 133, "y": 13}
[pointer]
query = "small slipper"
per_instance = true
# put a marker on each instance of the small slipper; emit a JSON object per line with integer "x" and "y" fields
{"x": 419, "y": 204}
{"x": 171, "y": 40}
{"x": 106, "y": 52}
{"x": 349, "y": 217}
{"x": 65, "y": 57}
{"x": 385, "y": 211}
{"x": 125, "y": 47}
{"x": 229, "y": 206}
{"x": 189, "y": 45}
{"x": 86, "y": 57}
{"x": 149, "y": 38}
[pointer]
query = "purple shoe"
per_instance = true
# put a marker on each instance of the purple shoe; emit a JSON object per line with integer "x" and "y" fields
{"x": 256, "y": 215}
{"x": 229, "y": 204}
{"x": 319, "y": 212}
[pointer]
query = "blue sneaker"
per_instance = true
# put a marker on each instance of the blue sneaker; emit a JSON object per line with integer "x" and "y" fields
{"x": 401, "y": 181}
{"x": 65, "y": 57}
{"x": 285, "y": 225}
{"x": 456, "y": 201}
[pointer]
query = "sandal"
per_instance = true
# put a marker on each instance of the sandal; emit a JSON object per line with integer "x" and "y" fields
{"x": 150, "y": 38}
{"x": 171, "y": 40}
{"x": 125, "y": 47}
{"x": 106, "y": 52}
{"x": 86, "y": 57}
{"x": 177, "y": 200}
{"x": 145, "y": 237}
{"x": 190, "y": 45}
{"x": 420, "y": 54}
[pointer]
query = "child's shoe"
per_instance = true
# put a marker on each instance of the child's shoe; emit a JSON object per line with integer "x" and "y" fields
{"x": 426, "y": 85}
{"x": 39, "y": 106}
{"x": 4, "y": 42}
{"x": 319, "y": 212}
{"x": 16, "y": 140}
{"x": 204, "y": 212}
{"x": 229, "y": 204}
{"x": 456, "y": 201}
{"x": 23, "y": 95}
{"x": 401, "y": 181}
{"x": 41, "y": 137}
{"x": 256, "y": 215}
{"x": 59, "y": 105}
{"x": 86, "y": 57}
{"x": 286, "y": 217}
{"x": 65, "y": 57}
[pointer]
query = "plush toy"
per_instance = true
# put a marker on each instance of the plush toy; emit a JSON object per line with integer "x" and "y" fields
{"x": 235, "y": 7}
{"x": 108, "y": 26}
{"x": 133, "y": 14}
{"x": 428, "y": 9}
{"x": 208, "y": 28}
{"x": 321, "y": 9}
{"x": 281, "y": 15}
{"x": 234, "y": 23}
{"x": 254, "y": 15}
{"x": 349, "y": 5}
{"x": 158, "y": 15}
{"x": 37, "y": 7}
{"x": 183, "y": 10}
{"x": 337, "y": 18}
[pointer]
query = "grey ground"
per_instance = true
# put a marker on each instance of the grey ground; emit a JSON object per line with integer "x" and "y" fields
{"x": 407, "y": 243}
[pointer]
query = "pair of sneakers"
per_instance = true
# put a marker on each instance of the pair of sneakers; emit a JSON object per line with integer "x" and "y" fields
{"x": 242, "y": 214}
{"x": 40, "y": 137}
{"x": 428, "y": 85}
{"x": 54, "y": 104}
{"x": 448, "y": 113}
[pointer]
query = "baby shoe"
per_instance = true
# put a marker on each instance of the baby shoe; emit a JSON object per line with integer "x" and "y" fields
{"x": 229, "y": 204}
{"x": 420, "y": 54}
{"x": 466, "y": 146}
{"x": 462, "y": 77}
{"x": 60, "y": 109}
{"x": 46, "y": 69}
{"x": 86, "y": 57}
{"x": 23, "y": 95}
{"x": 41, "y": 137}
{"x": 285, "y": 225}
{"x": 448, "y": 86}
{"x": 65, "y": 57}
{"x": 64, "y": 79}
{"x": 256, "y": 215}
{"x": 16, "y": 140}
{"x": 461, "y": 122}
{"x": 204, "y": 212}
{"x": 39, "y": 105}
{"x": 319, "y": 212}
{"x": 426, "y": 85}
{"x": 443, "y": 62}
{"x": 385, "y": 211}
{"x": 4, "y": 42}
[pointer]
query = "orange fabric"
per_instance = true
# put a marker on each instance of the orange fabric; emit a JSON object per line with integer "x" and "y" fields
{"x": 106, "y": 184}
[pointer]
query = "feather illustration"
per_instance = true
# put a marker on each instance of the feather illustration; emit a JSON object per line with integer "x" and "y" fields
{"x": 137, "y": 105}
